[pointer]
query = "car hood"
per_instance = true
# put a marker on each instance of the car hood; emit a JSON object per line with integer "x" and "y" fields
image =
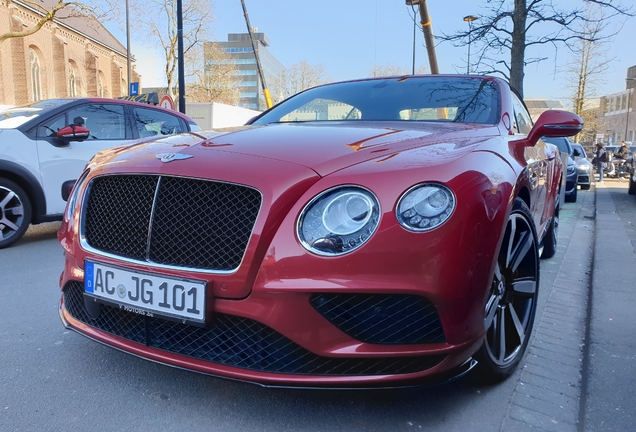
{"x": 319, "y": 147}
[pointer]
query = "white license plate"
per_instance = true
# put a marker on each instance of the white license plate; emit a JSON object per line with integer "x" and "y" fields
{"x": 146, "y": 293}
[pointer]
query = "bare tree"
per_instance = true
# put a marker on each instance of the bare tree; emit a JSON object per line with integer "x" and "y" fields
{"x": 389, "y": 70}
{"x": 587, "y": 69}
{"x": 218, "y": 80}
{"x": 298, "y": 77}
{"x": 506, "y": 31}
{"x": 160, "y": 28}
{"x": 53, "y": 11}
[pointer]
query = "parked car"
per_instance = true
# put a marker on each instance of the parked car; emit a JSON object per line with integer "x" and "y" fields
{"x": 572, "y": 173}
{"x": 584, "y": 166}
{"x": 378, "y": 232}
{"x": 41, "y": 157}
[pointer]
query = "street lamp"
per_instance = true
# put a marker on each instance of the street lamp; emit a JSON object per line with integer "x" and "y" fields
{"x": 469, "y": 19}
{"x": 628, "y": 100}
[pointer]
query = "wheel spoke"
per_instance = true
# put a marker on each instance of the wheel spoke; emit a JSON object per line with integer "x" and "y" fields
{"x": 16, "y": 211}
{"x": 526, "y": 287}
{"x": 511, "y": 240}
{"x": 491, "y": 310}
{"x": 6, "y": 199}
{"x": 517, "y": 322}
{"x": 521, "y": 250}
{"x": 9, "y": 224}
{"x": 502, "y": 334}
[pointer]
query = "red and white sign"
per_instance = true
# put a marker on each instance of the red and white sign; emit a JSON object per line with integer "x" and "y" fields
{"x": 167, "y": 102}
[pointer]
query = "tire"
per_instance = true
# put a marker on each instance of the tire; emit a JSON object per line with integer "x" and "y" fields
{"x": 15, "y": 212}
{"x": 632, "y": 186}
{"x": 571, "y": 197}
{"x": 551, "y": 237}
{"x": 511, "y": 306}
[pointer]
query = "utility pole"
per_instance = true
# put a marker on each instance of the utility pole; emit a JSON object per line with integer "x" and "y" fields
{"x": 268, "y": 98}
{"x": 428, "y": 33}
{"x": 180, "y": 64}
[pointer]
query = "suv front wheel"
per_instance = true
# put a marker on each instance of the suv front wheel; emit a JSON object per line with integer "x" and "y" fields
{"x": 15, "y": 212}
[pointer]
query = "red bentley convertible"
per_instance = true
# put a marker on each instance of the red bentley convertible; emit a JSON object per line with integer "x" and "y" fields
{"x": 378, "y": 232}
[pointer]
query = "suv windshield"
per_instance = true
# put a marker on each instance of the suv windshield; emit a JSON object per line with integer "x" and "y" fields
{"x": 446, "y": 99}
{"x": 14, "y": 117}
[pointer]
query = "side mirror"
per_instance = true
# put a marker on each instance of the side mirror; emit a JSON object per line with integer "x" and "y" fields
{"x": 576, "y": 152}
{"x": 555, "y": 123}
{"x": 74, "y": 132}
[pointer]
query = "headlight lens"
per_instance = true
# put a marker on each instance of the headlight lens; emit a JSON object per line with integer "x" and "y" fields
{"x": 338, "y": 221}
{"x": 425, "y": 207}
{"x": 584, "y": 167}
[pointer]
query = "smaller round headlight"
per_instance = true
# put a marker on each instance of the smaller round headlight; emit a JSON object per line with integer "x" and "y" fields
{"x": 425, "y": 206}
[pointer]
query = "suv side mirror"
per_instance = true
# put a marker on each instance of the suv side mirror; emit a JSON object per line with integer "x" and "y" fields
{"x": 576, "y": 152}
{"x": 74, "y": 132}
{"x": 555, "y": 123}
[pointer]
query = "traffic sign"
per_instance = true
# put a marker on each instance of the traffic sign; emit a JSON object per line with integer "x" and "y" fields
{"x": 167, "y": 102}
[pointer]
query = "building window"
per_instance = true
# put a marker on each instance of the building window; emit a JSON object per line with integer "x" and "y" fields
{"x": 238, "y": 50}
{"x": 245, "y": 72}
{"x": 72, "y": 84}
{"x": 247, "y": 83}
{"x": 231, "y": 61}
{"x": 35, "y": 76}
{"x": 248, "y": 95}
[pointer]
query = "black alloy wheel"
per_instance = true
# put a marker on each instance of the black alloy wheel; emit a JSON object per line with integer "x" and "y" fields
{"x": 511, "y": 306}
{"x": 15, "y": 212}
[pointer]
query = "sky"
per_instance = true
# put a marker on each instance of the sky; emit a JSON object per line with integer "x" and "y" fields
{"x": 349, "y": 36}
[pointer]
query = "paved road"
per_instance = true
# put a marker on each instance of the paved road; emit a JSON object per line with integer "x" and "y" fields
{"x": 53, "y": 380}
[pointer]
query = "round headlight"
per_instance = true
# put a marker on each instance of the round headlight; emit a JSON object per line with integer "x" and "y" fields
{"x": 339, "y": 220}
{"x": 425, "y": 206}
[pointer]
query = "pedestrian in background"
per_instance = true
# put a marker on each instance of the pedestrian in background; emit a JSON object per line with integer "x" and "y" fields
{"x": 599, "y": 160}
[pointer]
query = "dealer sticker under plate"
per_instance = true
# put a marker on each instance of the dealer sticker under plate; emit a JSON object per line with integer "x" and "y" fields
{"x": 146, "y": 293}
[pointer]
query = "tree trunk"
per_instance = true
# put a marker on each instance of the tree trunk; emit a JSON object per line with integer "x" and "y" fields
{"x": 518, "y": 48}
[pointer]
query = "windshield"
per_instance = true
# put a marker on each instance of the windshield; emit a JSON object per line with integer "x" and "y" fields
{"x": 13, "y": 117}
{"x": 446, "y": 99}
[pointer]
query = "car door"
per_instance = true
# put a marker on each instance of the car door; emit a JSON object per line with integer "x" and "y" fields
{"x": 63, "y": 161}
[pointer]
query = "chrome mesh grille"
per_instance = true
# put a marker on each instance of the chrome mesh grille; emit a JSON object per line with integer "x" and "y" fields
{"x": 174, "y": 221}
{"x": 235, "y": 341}
{"x": 382, "y": 318}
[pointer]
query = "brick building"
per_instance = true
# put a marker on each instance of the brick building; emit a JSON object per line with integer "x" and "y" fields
{"x": 70, "y": 57}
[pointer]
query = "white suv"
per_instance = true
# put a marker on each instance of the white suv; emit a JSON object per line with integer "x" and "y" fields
{"x": 40, "y": 160}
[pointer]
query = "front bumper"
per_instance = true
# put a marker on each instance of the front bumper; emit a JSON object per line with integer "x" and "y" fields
{"x": 246, "y": 349}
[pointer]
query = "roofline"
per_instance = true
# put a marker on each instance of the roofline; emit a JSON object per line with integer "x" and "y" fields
{"x": 61, "y": 23}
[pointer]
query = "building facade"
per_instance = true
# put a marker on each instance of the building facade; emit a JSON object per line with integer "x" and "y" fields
{"x": 617, "y": 113}
{"x": 73, "y": 56}
{"x": 238, "y": 49}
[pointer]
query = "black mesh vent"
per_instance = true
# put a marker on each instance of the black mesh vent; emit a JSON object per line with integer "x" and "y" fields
{"x": 382, "y": 318}
{"x": 235, "y": 341}
{"x": 195, "y": 223}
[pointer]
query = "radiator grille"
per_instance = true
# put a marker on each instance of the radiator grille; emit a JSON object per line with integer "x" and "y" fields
{"x": 235, "y": 341}
{"x": 174, "y": 221}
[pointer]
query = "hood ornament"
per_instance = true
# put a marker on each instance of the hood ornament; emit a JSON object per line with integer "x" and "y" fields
{"x": 169, "y": 157}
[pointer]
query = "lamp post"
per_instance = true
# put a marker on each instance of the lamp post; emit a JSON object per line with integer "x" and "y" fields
{"x": 627, "y": 80}
{"x": 128, "y": 48}
{"x": 469, "y": 19}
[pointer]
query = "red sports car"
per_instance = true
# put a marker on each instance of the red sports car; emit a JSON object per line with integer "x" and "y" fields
{"x": 377, "y": 232}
